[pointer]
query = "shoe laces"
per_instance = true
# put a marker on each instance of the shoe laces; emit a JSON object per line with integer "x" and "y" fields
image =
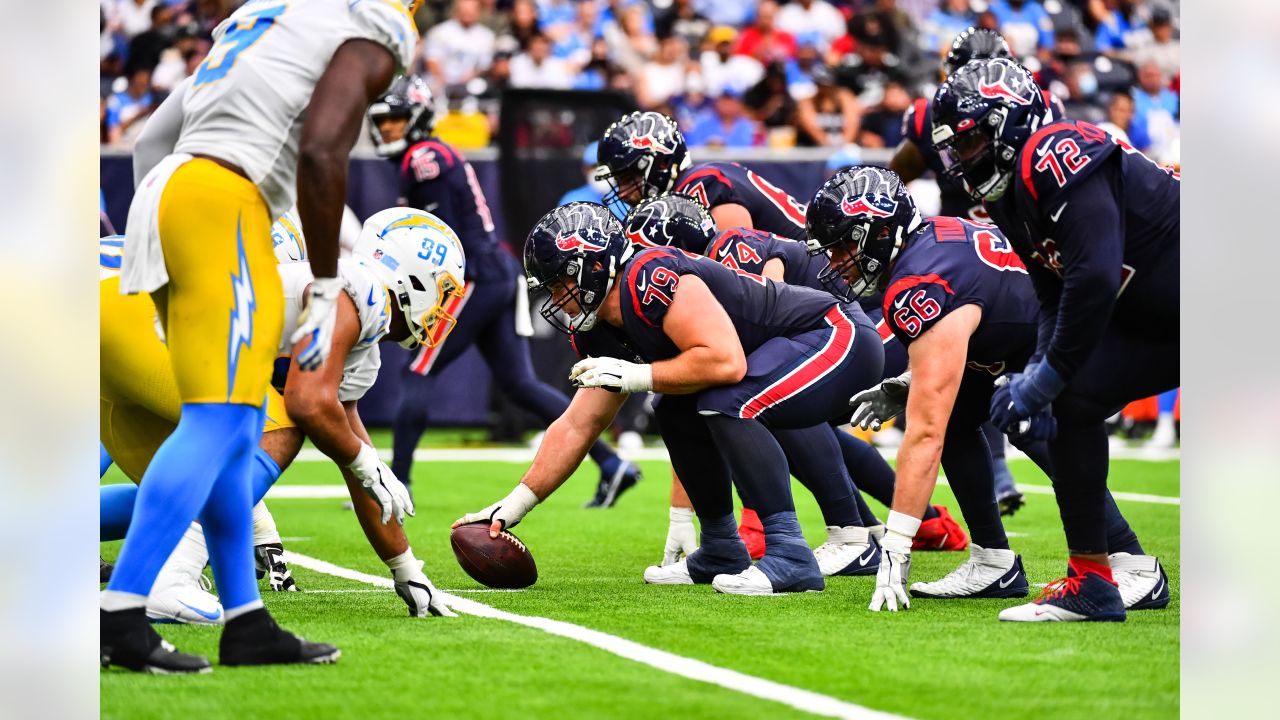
{"x": 204, "y": 582}
{"x": 1062, "y": 586}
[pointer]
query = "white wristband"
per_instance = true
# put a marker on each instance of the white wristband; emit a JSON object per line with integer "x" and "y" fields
{"x": 644, "y": 381}
{"x": 365, "y": 458}
{"x": 521, "y": 499}
{"x": 902, "y": 524}
{"x": 681, "y": 514}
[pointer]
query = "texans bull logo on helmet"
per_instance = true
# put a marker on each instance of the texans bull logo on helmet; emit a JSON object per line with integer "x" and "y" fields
{"x": 869, "y": 205}
{"x": 651, "y": 135}
{"x": 576, "y": 242}
{"x": 1000, "y": 88}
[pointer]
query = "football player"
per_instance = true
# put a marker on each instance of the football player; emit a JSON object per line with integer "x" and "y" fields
{"x": 747, "y": 366}
{"x": 435, "y": 177}
{"x": 960, "y": 300}
{"x": 381, "y": 301}
{"x": 271, "y": 113}
{"x": 644, "y": 155}
{"x": 1096, "y": 224}
{"x": 677, "y": 220}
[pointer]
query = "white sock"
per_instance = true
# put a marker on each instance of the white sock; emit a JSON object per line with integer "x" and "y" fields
{"x": 264, "y": 526}
{"x": 115, "y": 600}
{"x": 232, "y": 614}
{"x": 405, "y": 566}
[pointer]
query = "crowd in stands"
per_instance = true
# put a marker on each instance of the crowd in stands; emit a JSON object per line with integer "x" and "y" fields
{"x": 824, "y": 73}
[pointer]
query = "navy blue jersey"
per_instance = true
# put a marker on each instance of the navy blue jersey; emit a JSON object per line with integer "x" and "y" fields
{"x": 760, "y": 309}
{"x": 435, "y": 177}
{"x": 1098, "y": 224}
{"x": 724, "y": 183}
{"x": 917, "y": 129}
{"x": 895, "y": 353}
{"x": 750, "y": 250}
{"x": 950, "y": 263}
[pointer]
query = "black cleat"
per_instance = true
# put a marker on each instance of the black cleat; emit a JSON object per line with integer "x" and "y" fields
{"x": 616, "y": 478}
{"x": 1010, "y": 502}
{"x": 255, "y": 639}
{"x": 129, "y": 641}
{"x": 104, "y": 570}
{"x": 269, "y": 562}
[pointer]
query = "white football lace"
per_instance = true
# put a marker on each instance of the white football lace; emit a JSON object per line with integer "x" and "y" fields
{"x": 512, "y": 539}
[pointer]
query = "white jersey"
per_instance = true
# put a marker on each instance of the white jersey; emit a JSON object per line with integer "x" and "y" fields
{"x": 373, "y": 309}
{"x": 247, "y": 100}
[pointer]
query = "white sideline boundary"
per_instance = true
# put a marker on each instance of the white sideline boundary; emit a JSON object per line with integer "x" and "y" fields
{"x": 803, "y": 700}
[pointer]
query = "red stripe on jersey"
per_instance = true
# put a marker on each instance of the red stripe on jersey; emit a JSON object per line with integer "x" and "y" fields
{"x": 886, "y": 332}
{"x": 922, "y": 105}
{"x": 902, "y": 284}
{"x": 702, "y": 173}
{"x": 427, "y": 356}
{"x": 633, "y": 271}
{"x": 811, "y": 370}
{"x": 1028, "y": 152}
{"x": 441, "y": 149}
{"x": 948, "y": 229}
{"x": 723, "y": 240}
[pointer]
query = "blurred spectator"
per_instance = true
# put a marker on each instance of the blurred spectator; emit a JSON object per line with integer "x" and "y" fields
{"x": 573, "y": 41}
{"x": 524, "y": 22}
{"x": 1164, "y": 49}
{"x": 882, "y": 126}
{"x": 733, "y": 13}
{"x": 179, "y": 61}
{"x": 830, "y": 117}
{"x": 812, "y": 21}
{"x": 1122, "y": 25}
{"x": 535, "y": 68}
{"x": 1120, "y": 122}
{"x": 686, "y": 106}
{"x": 800, "y": 70}
{"x": 459, "y": 49}
{"x": 630, "y": 43}
{"x": 868, "y": 71}
{"x": 943, "y": 25}
{"x": 556, "y": 18}
{"x": 598, "y": 72}
{"x": 726, "y": 125}
{"x": 769, "y": 100}
{"x": 898, "y": 28}
{"x": 663, "y": 76}
{"x": 1156, "y": 110}
{"x": 683, "y": 21}
{"x": 1025, "y": 24}
{"x": 146, "y": 46}
{"x": 129, "y": 106}
{"x": 763, "y": 40}
{"x": 592, "y": 190}
{"x": 723, "y": 69}
{"x": 132, "y": 17}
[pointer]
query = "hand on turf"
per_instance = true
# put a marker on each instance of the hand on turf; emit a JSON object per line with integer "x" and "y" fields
{"x": 382, "y": 485}
{"x": 878, "y": 405}
{"x": 682, "y": 536}
{"x": 421, "y": 595}
{"x": 612, "y": 374}
{"x": 504, "y": 514}
{"x": 894, "y": 573}
{"x": 316, "y": 323}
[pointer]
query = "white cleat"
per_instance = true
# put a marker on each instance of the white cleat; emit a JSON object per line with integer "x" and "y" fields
{"x": 847, "y": 551}
{"x": 1143, "y": 583}
{"x": 748, "y": 582}
{"x": 988, "y": 573}
{"x": 181, "y": 595}
{"x": 677, "y": 573}
{"x": 1031, "y": 612}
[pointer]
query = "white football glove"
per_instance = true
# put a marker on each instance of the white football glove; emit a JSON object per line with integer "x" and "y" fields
{"x": 612, "y": 374}
{"x": 682, "y": 536}
{"x": 894, "y": 573}
{"x": 316, "y": 323}
{"x": 509, "y": 511}
{"x": 381, "y": 484}
{"x": 417, "y": 591}
{"x": 878, "y": 405}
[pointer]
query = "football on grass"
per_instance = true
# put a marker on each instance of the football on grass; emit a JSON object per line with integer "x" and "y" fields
{"x": 501, "y": 562}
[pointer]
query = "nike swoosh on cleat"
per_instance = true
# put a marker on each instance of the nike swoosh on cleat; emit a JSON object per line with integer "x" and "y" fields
{"x": 215, "y": 615}
{"x": 1155, "y": 593}
{"x": 862, "y": 561}
{"x": 1003, "y": 584}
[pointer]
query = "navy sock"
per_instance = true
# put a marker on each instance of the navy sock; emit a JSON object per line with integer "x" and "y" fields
{"x": 967, "y": 462}
{"x": 867, "y": 469}
{"x": 1079, "y": 456}
{"x": 1120, "y": 537}
{"x": 104, "y": 460}
{"x": 788, "y": 562}
{"x": 208, "y": 439}
{"x": 115, "y": 509}
{"x": 720, "y": 550}
{"x": 755, "y": 460}
{"x": 694, "y": 457}
{"x": 813, "y": 455}
{"x": 1004, "y": 478}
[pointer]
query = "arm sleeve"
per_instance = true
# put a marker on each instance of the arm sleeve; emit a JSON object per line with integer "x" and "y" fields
{"x": 160, "y": 134}
{"x": 1090, "y": 238}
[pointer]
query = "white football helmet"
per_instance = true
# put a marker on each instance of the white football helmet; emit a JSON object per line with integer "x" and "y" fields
{"x": 287, "y": 241}
{"x": 420, "y": 260}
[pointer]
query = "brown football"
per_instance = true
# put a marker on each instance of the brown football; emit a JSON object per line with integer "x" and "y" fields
{"x": 501, "y": 562}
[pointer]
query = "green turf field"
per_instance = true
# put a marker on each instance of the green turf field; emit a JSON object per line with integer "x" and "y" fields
{"x": 937, "y": 660}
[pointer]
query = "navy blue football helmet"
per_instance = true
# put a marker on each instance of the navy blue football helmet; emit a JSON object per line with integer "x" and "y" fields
{"x": 408, "y": 98}
{"x": 982, "y": 116}
{"x": 861, "y": 218}
{"x": 676, "y": 220}
{"x": 641, "y": 156}
{"x": 974, "y": 43}
{"x": 580, "y": 242}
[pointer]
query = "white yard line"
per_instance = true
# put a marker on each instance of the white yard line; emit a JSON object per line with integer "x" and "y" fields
{"x": 525, "y": 455}
{"x": 804, "y": 700}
